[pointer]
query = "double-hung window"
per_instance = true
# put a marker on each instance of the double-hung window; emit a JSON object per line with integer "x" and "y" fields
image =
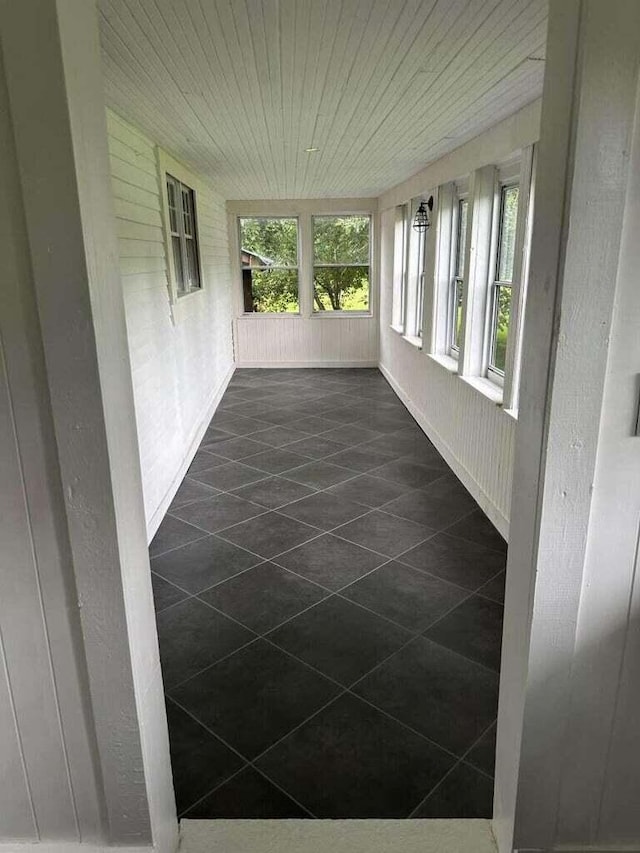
{"x": 400, "y": 272}
{"x": 456, "y": 289}
{"x": 500, "y": 302}
{"x": 184, "y": 236}
{"x": 420, "y": 238}
{"x": 341, "y": 263}
{"x": 269, "y": 264}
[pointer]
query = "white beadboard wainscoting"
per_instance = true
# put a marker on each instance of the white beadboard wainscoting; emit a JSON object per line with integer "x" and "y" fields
{"x": 181, "y": 359}
{"x": 305, "y": 339}
{"x": 473, "y": 432}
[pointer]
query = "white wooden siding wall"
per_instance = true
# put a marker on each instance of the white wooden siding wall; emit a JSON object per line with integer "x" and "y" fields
{"x": 178, "y": 368}
{"x": 475, "y": 435}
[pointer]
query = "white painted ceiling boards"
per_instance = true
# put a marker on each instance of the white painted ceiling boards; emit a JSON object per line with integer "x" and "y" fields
{"x": 239, "y": 88}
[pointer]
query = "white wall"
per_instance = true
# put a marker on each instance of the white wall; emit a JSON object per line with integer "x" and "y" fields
{"x": 304, "y": 340}
{"x": 180, "y": 360}
{"x": 473, "y": 432}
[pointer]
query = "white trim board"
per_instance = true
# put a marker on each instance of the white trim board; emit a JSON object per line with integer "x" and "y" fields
{"x": 154, "y": 522}
{"x": 67, "y": 847}
{"x": 283, "y": 364}
{"x": 337, "y": 836}
{"x": 473, "y": 487}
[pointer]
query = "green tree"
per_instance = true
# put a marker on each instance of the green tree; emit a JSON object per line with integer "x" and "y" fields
{"x": 341, "y": 263}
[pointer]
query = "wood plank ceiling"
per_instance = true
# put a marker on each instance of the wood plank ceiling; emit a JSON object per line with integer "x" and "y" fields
{"x": 239, "y": 89}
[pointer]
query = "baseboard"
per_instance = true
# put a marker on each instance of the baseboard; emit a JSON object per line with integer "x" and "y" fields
{"x": 66, "y": 847}
{"x": 337, "y": 836}
{"x": 500, "y": 522}
{"x": 294, "y": 364}
{"x": 154, "y": 522}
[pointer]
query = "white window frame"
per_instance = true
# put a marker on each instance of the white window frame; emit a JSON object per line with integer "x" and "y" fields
{"x": 297, "y": 267}
{"x": 518, "y": 173}
{"x": 461, "y": 196}
{"x": 400, "y": 267}
{"x": 367, "y": 312}
{"x": 168, "y": 167}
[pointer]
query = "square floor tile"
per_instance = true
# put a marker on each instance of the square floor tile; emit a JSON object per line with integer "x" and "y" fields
{"x": 340, "y": 639}
{"x": 270, "y": 534}
{"x": 404, "y": 595}
{"x": 249, "y": 796}
{"x": 343, "y": 415}
{"x": 204, "y": 461}
{"x": 173, "y": 533}
{"x": 464, "y": 793}
{"x": 192, "y": 636}
{"x": 319, "y": 474}
{"x": 239, "y": 448}
{"x": 199, "y": 760}
{"x": 438, "y": 505}
{"x": 218, "y": 512}
{"x": 237, "y": 424}
{"x": 350, "y": 761}
{"x": 255, "y": 697}
{"x": 201, "y": 564}
{"x": 191, "y": 490}
{"x": 274, "y": 492}
{"x": 264, "y": 596}
{"x": 407, "y": 473}
{"x": 278, "y": 436}
{"x": 230, "y": 476}
{"x": 477, "y": 528}
{"x": 446, "y": 697}
{"x": 275, "y": 461}
{"x": 495, "y": 588}
{"x": 331, "y": 562}
{"x": 384, "y": 533}
{"x": 313, "y": 425}
{"x": 350, "y": 434}
{"x": 361, "y": 459}
{"x": 369, "y": 491}
{"x": 324, "y": 510}
{"x": 214, "y": 434}
{"x": 464, "y": 563}
{"x": 483, "y": 754}
{"x": 473, "y": 629}
{"x": 316, "y": 447}
{"x": 164, "y": 593}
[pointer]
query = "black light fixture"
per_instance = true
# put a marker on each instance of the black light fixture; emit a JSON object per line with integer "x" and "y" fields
{"x": 421, "y": 221}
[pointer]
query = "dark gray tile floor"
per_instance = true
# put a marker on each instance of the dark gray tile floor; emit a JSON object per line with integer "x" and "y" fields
{"x": 329, "y": 603}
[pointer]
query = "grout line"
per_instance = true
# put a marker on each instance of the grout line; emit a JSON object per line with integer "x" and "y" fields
{"x": 248, "y": 763}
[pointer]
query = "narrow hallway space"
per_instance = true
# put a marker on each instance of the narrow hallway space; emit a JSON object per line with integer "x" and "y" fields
{"x": 329, "y": 604}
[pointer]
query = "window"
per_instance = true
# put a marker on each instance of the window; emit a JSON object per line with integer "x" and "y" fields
{"x": 269, "y": 263}
{"x": 501, "y": 289}
{"x": 419, "y": 242}
{"x": 184, "y": 236}
{"x": 341, "y": 263}
{"x": 400, "y": 257}
{"x": 457, "y": 279}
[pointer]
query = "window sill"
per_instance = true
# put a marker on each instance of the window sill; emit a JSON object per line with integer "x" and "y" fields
{"x": 342, "y": 315}
{"x": 180, "y": 297}
{"x": 399, "y": 330}
{"x": 486, "y": 387}
{"x": 413, "y": 340}
{"x": 449, "y": 363}
{"x": 266, "y": 315}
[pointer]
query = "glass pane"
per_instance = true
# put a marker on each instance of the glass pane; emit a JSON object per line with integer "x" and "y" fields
{"x": 341, "y": 239}
{"x": 458, "y": 315}
{"x": 341, "y": 288}
{"x": 463, "y": 207}
{"x": 192, "y": 262}
{"x": 171, "y": 195}
{"x": 270, "y": 291}
{"x": 177, "y": 262}
{"x": 187, "y": 210}
{"x": 508, "y": 220}
{"x": 502, "y": 317}
{"x": 269, "y": 242}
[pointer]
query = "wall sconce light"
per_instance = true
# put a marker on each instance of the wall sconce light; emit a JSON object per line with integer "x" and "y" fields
{"x": 421, "y": 221}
